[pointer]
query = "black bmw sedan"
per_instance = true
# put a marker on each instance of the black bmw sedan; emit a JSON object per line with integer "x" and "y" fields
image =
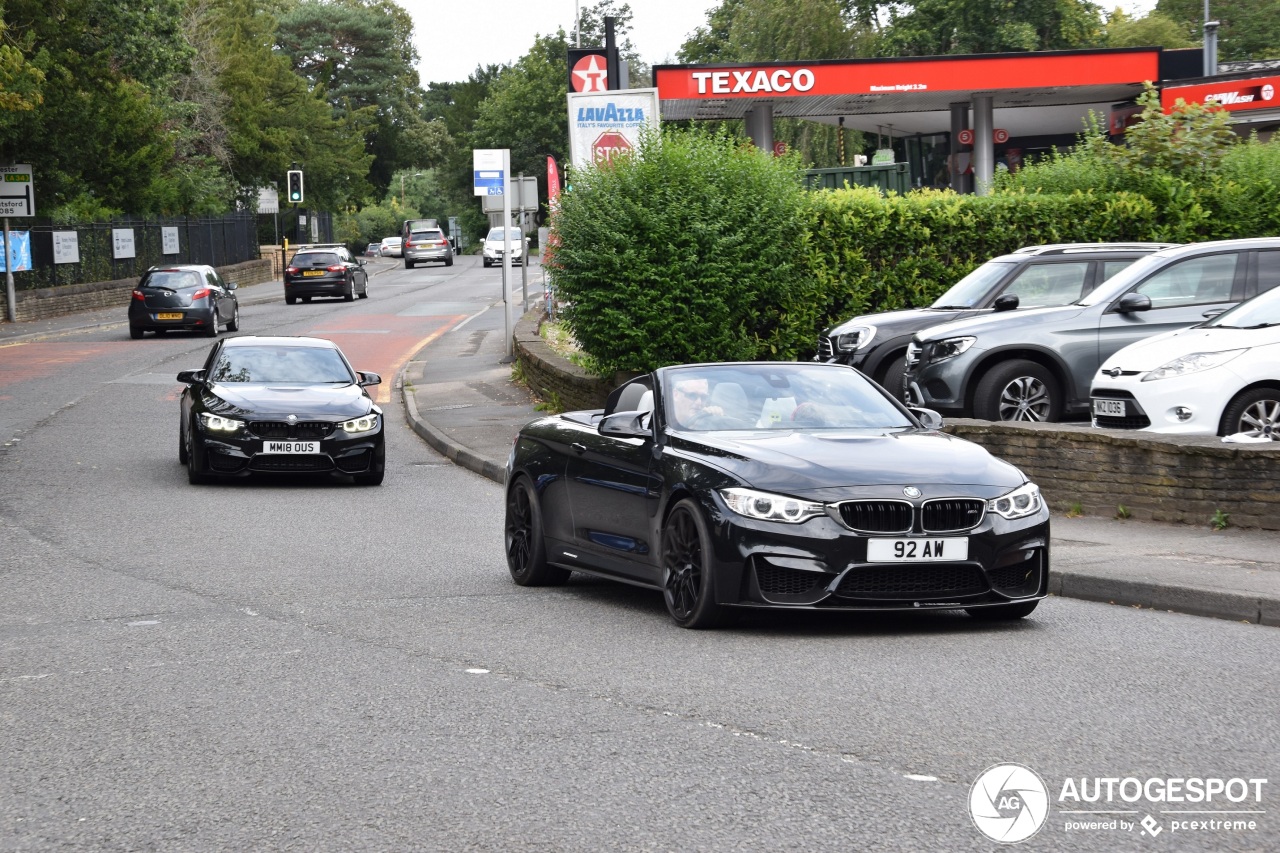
{"x": 774, "y": 485}
{"x": 325, "y": 270}
{"x": 190, "y": 297}
{"x": 279, "y": 404}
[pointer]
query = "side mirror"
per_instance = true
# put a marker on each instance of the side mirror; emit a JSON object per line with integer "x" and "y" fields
{"x": 367, "y": 378}
{"x": 361, "y": 261}
{"x": 231, "y": 285}
{"x": 625, "y": 425}
{"x": 928, "y": 418}
{"x": 191, "y": 377}
{"x": 1212, "y": 312}
{"x": 1006, "y": 302}
{"x": 1131, "y": 302}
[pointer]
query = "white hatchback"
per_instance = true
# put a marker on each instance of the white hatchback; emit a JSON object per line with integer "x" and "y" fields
{"x": 1221, "y": 377}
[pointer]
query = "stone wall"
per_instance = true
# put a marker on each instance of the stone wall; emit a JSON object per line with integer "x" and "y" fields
{"x": 71, "y": 298}
{"x": 1156, "y": 478}
{"x": 554, "y": 379}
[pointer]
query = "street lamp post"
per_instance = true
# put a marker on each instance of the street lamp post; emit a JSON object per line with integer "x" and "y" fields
{"x": 414, "y": 175}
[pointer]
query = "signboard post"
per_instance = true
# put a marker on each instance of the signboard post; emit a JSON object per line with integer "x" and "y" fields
{"x": 17, "y": 198}
{"x": 490, "y": 169}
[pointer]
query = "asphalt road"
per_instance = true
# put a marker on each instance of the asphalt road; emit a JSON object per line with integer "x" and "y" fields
{"x": 313, "y": 666}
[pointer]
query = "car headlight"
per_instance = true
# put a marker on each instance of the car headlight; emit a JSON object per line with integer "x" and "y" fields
{"x": 365, "y": 423}
{"x": 854, "y": 339}
{"x": 1020, "y": 503}
{"x": 217, "y": 423}
{"x": 949, "y": 347}
{"x": 770, "y": 507}
{"x": 1193, "y": 363}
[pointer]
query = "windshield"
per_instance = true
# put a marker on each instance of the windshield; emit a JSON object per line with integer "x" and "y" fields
{"x": 1123, "y": 280}
{"x": 776, "y": 396}
{"x": 1260, "y": 311}
{"x": 969, "y": 291}
{"x": 288, "y": 365}
{"x": 496, "y": 234}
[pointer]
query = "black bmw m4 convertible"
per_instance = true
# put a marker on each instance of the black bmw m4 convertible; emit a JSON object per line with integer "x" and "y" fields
{"x": 773, "y": 485}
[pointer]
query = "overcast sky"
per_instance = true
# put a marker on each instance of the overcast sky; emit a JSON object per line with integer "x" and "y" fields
{"x": 452, "y": 39}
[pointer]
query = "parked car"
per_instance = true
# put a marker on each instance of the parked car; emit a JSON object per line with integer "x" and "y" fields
{"x": 373, "y": 250}
{"x": 325, "y": 271}
{"x": 773, "y": 485}
{"x": 1038, "y": 364}
{"x": 1221, "y": 377}
{"x": 287, "y": 405}
{"x": 192, "y": 297}
{"x": 391, "y": 247}
{"x": 427, "y": 244}
{"x": 1031, "y": 277}
{"x": 495, "y": 245}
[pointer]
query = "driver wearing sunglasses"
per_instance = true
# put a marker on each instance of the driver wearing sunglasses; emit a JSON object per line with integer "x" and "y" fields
{"x": 690, "y": 398}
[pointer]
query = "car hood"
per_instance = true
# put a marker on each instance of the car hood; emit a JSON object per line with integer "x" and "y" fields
{"x": 1159, "y": 350}
{"x": 905, "y": 320}
{"x": 1022, "y": 320}
{"x": 848, "y": 463}
{"x": 306, "y": 402}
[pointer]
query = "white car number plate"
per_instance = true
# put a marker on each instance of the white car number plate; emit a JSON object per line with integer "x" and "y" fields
{"x": 917, "y": 550}
{"x": 290, "y": 447}
{"x": 1109, "y": 407}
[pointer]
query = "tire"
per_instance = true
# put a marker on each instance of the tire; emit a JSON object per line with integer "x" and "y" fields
{"x": 448, "y": 262}
{"x": 350, "y": 295}
{"x": 364, "y": 291}
{"x": 1002, "y": 612}
{"x": 408, "y": 265}
{"x": 135, "y": 332}
{"x": 1255, "y": 412}
{"x": 196, "y": 463}
{"x": 377, "y": 470}
{"x": 211, "y": 330}
{"x": 306, "y": 300}
{"x": 182, "y": 444}
{"x": 891, "y": 375}
{"x": 487, "y": 263}
{"x": 688, "y": 584}
{"x": 233, "y": 325}
{"x": 1018, "y": 390}
{"x": 526, "y": 550}
{"x": 290, "y": 300}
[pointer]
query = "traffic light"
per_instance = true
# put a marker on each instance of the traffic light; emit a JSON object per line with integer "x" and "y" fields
{"x": 295, "y": 185}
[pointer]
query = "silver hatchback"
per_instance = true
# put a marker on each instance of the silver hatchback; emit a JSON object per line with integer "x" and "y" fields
{"x": 1037, "y": 365}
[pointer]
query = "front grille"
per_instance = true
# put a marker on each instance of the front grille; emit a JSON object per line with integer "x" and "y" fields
{"x": 877, "y": 516}
{"x": 951, "y": 515}
{"x": 825, "y": 350}
{"x": 356, "y": 463}
{"x": 1023, "y": 577}
{"x": 272, "y": 462}
{"x": 941, "y": 581}
{"x": 778, "y": 581}
{"x": 1137, "y": 420}
{"x": 283, "y": 430}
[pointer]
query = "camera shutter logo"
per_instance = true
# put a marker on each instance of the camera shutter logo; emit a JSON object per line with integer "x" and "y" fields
{"x": 1009, "y": 803}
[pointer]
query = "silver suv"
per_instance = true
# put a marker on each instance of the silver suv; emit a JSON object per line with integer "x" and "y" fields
{"x": 1031, "y": 277}
{"x": 1037, "y": 365}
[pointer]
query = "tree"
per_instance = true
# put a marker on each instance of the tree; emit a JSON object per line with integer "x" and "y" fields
{"x": 1248, "y": 29}
{"x": 939, "y": 27}
{"x": 1153, "y": 29}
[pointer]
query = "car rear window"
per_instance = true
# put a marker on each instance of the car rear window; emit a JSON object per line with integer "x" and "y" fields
{"x": 313, "y": 258}
{"x": 426, "y": 235}
{"x": 174, "y": 279}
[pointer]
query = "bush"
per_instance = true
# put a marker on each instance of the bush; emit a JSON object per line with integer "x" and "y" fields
{"x": 692, "y": 250}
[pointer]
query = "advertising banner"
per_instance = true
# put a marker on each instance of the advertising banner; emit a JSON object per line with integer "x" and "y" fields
{"x": 604, "y": 125}
{"x": 19, "y": 252}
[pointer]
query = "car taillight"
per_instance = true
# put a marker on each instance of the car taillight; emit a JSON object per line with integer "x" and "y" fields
{"x": 138, "y": 294}
{"x": 291, "y": 270}
{"x": 200, "y": 294}
{"x": 335, "y": 268}
{"x": 409, "y": 245}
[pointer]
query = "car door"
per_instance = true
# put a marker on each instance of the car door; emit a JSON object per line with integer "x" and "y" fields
{"x": 613, "y": 493}
{"x": 1183, "y": 293}
{"x": 218, "y": 294}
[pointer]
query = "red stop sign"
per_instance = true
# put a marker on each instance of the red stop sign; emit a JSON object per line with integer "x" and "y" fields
{"x": 609, "y": 145}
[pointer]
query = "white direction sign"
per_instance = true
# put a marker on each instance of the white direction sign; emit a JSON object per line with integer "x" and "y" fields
{"x": 487, "y": 165}
{"x": 17, "y": 191}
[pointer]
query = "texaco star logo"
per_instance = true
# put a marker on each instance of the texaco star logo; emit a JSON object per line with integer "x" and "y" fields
{"x": 591, "y": 74}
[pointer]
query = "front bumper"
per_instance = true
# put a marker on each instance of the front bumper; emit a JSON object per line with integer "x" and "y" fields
{"x": 244, "y": 452}
{"x": 822, "y": 565}
{"x": 1154, "y": 406}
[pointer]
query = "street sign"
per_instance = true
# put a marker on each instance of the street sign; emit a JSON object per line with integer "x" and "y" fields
{"x": 524, "y": 196}
{"x": 17, "y": 191}
{"x": 268, "y": 201}
{"x": 609, "y": 145}
{"x": 488, "y": 177}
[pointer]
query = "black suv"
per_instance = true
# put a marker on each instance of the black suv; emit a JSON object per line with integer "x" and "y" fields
{"x": 1031, "y": 277}
{"x": 325, "y": 270}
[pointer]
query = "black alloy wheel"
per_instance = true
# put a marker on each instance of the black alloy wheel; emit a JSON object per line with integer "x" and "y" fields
{"x": 182, "y": 442}
{"x": 196, "y": 460}
{"x": 1018, "y": 390}
{"x": 1255, "y": 413}
{"x": 688, "y": 585}
{"x": 526, "y": 550}
{"x": 350, "y": 293}
{"x": 1001, "y": 612}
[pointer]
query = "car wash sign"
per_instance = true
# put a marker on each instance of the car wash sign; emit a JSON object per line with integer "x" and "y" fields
{"x": 1239, "y": 95}
{"x": 604, "y": 126}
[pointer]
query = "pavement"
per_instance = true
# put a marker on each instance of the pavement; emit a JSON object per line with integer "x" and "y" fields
{"x": 459, "y": 396}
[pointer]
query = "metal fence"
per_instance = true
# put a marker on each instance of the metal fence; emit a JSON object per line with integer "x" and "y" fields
{"x": 213, "y": 240}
